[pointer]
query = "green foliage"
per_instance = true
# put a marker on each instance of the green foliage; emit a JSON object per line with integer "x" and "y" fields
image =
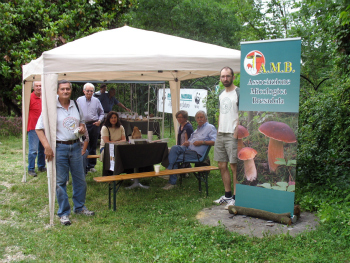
{"x": 324, "y": 141}
{"x": 10, "y": 126}
{"x": 28, "y": 28}
{"x": 203, "y": 20}
{"x": 332, "y": 206}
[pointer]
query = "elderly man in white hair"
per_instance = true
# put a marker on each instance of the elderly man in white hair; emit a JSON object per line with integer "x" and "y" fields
{"x": 192, "y": 149}
{"x": 93, "y": 115}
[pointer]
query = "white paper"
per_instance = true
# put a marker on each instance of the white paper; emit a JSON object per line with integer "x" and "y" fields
{"x": 111, "y": 156}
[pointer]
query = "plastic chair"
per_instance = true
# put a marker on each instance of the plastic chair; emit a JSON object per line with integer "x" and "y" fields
{"x": 201, "y": 176}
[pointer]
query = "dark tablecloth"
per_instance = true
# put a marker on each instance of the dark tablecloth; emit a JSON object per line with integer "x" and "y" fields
{"x": 142, "y": 125}
{"x": 131, "y": 156}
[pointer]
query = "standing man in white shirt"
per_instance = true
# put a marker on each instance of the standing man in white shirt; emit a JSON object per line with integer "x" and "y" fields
{"x": 68, "y": 153}
{"x": 226, "y": 142}
{"x": 93, "y": 115}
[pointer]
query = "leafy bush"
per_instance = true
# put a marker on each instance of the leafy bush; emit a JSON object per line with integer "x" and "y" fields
{"x": 332, "y": 205}
{"x": 324, "y": 139}
{"x": 10, "y": 126}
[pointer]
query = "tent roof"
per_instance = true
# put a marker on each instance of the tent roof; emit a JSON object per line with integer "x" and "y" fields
{"x": 128, "y": 53}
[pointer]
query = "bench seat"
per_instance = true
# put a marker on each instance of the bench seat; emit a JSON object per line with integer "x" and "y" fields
{"x": 201, "y": 174}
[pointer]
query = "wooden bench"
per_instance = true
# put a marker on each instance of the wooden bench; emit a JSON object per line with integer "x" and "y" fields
{"x": 93, "y": 156}
{"x": 201, "y": 174}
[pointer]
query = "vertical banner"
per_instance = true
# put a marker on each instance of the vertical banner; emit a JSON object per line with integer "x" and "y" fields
{"x": 269, "y": 105}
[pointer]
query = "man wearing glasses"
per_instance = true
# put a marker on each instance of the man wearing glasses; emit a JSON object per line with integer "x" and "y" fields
{"x": 93, "y": 114}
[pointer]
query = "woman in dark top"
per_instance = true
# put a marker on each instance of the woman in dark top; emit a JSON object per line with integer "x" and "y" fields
{"x": 185, "y": 129}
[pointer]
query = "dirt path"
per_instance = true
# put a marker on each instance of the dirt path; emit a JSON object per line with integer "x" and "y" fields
{"x": 245, "y": 225}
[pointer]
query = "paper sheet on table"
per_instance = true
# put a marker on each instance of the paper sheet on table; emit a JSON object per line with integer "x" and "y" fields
{"x": 111, "y": 155}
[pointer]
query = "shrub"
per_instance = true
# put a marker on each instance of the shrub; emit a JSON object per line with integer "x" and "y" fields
{"x": 324, "y": 139}
{"x": 10, "y": 126}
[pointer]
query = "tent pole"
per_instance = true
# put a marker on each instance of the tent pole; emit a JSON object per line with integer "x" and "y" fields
{"x": 148, "y": 117}
{"x": 163, "y": 98}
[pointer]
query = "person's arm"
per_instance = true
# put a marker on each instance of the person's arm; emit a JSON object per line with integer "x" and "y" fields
{"x": 101, "y": 114}
{"x": 106, "y": 139}
{"x": 210, "y": 138}
{"x": 122, "y": 106}
{"x": 85, "y": 145}
{"x": 48, "y": 151}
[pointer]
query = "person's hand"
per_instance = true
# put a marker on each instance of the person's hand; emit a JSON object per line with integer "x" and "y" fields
{"x": 97, "y": 123}
{"x": 127, "y": 109}
{"x": 198, "y": 143}
{"x": 82, "y": 129}
{"x": 83, "y": 152}
{"x": 48, "y": 154}
{"x": 186, "y": 143}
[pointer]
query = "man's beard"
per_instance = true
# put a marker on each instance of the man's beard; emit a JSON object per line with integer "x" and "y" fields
{"x": 227, "y": 84}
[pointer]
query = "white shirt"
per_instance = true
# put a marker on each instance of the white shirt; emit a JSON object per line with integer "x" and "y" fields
{"x": 228, "y": 111}
{"x": 67, "y": 122}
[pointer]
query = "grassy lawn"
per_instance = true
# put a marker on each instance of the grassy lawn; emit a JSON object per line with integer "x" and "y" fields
{"x": 149, "y": 225}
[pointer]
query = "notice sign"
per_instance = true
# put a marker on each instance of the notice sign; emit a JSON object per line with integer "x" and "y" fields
{"x": 191, "y": 100}
{"x": 270, "y": 76}
{"x": 268, "y": 117}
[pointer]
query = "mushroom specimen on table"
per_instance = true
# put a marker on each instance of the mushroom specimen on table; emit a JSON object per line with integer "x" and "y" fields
{"x": 278, "y": 132}
{"x": 242, "y": 133}
{"x": 247, "y": 155}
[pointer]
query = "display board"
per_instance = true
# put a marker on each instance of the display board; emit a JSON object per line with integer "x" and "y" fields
{"x": 269, "y": 106}
{"x": 191, "y": 100}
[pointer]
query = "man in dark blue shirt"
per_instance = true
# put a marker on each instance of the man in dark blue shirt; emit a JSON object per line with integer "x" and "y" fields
{"x": 108, "y": 101}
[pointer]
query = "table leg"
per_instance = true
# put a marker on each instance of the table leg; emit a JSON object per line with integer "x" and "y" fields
{"x": 136, "y": 182}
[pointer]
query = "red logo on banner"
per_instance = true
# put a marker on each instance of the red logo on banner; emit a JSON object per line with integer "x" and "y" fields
{"x": 253, "y": 61}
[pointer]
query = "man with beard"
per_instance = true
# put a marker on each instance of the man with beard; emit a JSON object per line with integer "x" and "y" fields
{"x": 226, "y": 142}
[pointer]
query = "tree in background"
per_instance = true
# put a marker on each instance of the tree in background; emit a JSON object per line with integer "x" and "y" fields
{"x": 210, "y": 21}
{"x": 30, "y": 27}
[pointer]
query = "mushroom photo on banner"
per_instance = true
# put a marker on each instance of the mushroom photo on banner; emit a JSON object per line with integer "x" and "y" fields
{"x": 278, "y": 132}
{"x": 247, "y": 155}
{"x": 242, "y": 133}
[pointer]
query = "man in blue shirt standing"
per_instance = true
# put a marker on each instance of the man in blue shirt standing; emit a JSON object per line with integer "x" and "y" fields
{"x": 108, "y": 101}
{"x": 194, "y": 148}
{"x": 93, "y": 115}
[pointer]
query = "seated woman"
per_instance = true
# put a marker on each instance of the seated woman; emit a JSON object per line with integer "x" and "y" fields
{"x": 112, "y": 131}
{"x": 185, "y": 129}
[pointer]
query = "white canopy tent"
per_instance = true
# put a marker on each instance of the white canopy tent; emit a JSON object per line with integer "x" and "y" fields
{"x": 124, "y": 53}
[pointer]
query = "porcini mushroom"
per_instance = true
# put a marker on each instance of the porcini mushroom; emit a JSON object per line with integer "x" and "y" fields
{"x": 278, "y": 132}
{"x": 242, "y": 133}
{"x": 247, "y": 155}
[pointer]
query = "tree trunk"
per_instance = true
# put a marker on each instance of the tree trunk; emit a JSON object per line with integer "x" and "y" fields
{"x": 279, "y": 218}
{"x": 11, "y": 105}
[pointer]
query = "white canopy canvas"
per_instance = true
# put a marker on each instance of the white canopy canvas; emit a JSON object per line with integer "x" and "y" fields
{"x": 127, "y": 54}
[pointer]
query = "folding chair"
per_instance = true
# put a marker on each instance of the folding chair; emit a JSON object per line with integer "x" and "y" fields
{"x": 201, "y": 176}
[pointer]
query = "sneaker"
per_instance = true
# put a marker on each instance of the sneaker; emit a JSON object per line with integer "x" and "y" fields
{"x": 168, "y": 186}
{"x": 32, "y": 173}
{"x": 42, "y": 169}
{"x": 231, "y": 202}
{"x": 85, "y": 211}
{"x": 222, "y": 200}
{"x": 65, "y": 220}
{"x": 93, "y": 170}
{"x": 165, "y": 177}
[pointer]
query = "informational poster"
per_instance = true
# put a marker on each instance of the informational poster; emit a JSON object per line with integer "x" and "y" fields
{"x": 268, "y": 105}
{"x": 191, "y": 100}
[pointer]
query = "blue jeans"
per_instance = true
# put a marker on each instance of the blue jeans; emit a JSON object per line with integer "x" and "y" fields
{"x": 85, "y": 161}
{"x": 69, "y": 158}
{"x": 179, "y": 154}
{"x": 35, "y": 148}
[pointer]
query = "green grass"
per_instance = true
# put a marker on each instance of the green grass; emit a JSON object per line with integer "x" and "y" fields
{"x": 149, "y": 225}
